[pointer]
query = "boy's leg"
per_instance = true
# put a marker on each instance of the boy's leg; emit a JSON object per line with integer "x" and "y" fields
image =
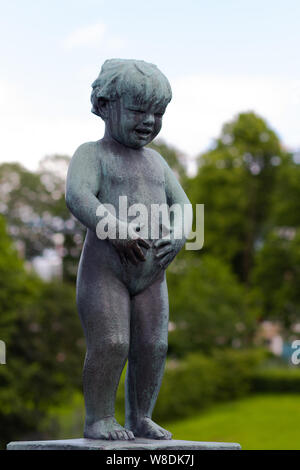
{"x": 146, "y": 362}
{"x": 104, "y": 309}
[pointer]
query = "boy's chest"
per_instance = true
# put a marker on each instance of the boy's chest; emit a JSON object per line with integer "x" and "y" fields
{"x": 132, "y": 175}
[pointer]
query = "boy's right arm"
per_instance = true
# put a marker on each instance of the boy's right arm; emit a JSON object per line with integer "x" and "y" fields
{"x": 83, "y": 185}
{"x": 82, "y": 188}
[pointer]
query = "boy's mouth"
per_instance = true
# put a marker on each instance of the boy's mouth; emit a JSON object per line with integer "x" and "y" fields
{"x": 145, "y": 133}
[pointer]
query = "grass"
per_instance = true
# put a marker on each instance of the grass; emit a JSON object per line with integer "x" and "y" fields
{"x": 260, "y": 422}
{"x": 257, "y": 422}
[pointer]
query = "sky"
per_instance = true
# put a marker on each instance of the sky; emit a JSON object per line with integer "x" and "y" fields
{"x": 221, "y": 58}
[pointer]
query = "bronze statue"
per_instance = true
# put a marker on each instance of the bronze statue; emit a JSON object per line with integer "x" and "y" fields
{"x": 122, "y": 293}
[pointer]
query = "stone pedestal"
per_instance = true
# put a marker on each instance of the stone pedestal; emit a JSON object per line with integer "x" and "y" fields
{"x": 137, "y": 444}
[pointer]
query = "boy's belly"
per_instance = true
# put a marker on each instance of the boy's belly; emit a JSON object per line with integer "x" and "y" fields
{"x": 145, "y": 194}
{"x": 136, "y": 278}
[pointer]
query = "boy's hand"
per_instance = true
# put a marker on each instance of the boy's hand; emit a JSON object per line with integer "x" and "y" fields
{"x": 166, "y": 251}
{"x": 129, "y": 249}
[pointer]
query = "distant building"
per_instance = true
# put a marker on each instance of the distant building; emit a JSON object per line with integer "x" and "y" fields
{"x": 48, "y": 266}
{"x": 269, "y": 334}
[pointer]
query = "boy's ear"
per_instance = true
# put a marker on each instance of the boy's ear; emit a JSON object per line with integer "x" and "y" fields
{"x": 103, "y": 108}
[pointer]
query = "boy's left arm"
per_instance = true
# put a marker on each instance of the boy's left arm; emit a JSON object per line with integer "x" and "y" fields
{"x": 180, "y": 223}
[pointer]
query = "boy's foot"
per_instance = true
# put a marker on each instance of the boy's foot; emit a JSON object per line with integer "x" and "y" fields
{"x": 107, "y": 428}
{"x": 150, "y": 430}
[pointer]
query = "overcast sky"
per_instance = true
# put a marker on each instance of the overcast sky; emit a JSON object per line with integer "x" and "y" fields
{"x": 221, "y": 57}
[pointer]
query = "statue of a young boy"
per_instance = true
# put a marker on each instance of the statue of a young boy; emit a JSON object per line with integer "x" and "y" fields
{"x": 122, "y": 293}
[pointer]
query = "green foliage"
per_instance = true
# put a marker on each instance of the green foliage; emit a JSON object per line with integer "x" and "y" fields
{"x": 199, "y": 380}
{"x": 44, "y": 344}
{"x": 34, "y": 207}
{"x": 64, "y": 420}
{"x": 189, "y": 386}
{"x": 49, "y": 335}
{"x": 16, "y": 290}
{"x": 195, "y": 382}
{"x": 207, "y": 306}
{"x": 45, "y": 355}
{"x": 173, "y": 157}
{"x": 276, "y": 380}
{"x": 15, "y": 286}
{"x": 248, "y": 270}
{"x": 27, "y": 214}
{"x": 285, "y": 207}
{"x": 199, "y": 384}
{"x": 276, "y": 276}
{"x": 235, "y": 181}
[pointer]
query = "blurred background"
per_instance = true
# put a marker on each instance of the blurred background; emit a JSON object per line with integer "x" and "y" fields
{"x": 231, "y": 134}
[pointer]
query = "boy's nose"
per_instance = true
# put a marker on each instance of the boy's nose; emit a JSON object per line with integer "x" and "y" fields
{"x": 149, "y": 119}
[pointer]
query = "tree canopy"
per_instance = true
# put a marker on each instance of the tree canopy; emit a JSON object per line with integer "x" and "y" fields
{"x": 236, "y": 182}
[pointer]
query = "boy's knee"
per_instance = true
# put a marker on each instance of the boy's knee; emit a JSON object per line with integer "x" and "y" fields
{"x": 157, "y": 348}
{"x": 118, "y": 346}
{"x": 110, "y": 346}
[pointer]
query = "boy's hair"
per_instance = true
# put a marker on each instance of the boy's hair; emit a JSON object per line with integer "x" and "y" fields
{"x": 122, "y": 76}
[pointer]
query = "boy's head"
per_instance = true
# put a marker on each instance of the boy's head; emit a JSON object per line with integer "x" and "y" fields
{"x": 131, "y": 96}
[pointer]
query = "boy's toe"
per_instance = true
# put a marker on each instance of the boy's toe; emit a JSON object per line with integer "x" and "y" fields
{"x": 130, "y": 435}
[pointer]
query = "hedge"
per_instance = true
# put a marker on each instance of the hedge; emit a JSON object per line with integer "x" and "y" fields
{"x": 198, "y": 381}
{"x": 277, "y": 380}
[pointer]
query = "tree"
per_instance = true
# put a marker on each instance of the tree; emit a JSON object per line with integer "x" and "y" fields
{"x": 25, "y": 204}
{"x": 207, "y": 306}
{"x": 34, "y": 207}
{"x": 285, "y": 207}
{"x": 33, "y": 204}
{"x": 44, "y": 342}
{"x": 236, "y": 181}
{"x": 15, "y": 287}
{"x": 173, "y": 157}
{"x": 275, "y": 278}
{"x": 53, "y": 172}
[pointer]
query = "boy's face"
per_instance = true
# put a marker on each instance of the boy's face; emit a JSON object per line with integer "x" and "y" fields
{"x": 132, "y": 123}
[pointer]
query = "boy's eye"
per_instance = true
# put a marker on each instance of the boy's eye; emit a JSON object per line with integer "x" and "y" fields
{"x": 138, "y": 111}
